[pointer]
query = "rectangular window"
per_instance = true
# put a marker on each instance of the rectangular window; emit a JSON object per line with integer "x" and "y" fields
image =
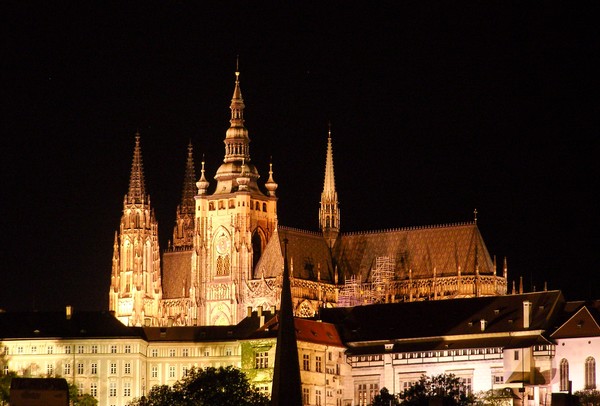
{"x": 184, "y": 371}
{"x": 127, "y": 389}
{"x": 171, "y": 372}
{"x": 185, "y": 352}
{"x": 5, "y": 369}
{"x": 154, "y": 353}
{"x": 318, "y": 364}
{"x": 19, "y": 350}
{"x": 112, "y": 389}
{"x": 80, "y": 368}
{"x": 516, "y": 355}
{"x": 305, "y": 396}
{"x": 94, "y": 389}
{"x": 306, "y": 362}
{"x": 171, "y": 353}
{"x": 80, "y": 388}
{"x": 127, "y": 368}
{"x": 67, "y": 349}
{"x": 34, "y": 350}
{"x": 261, "y": 360}
{"x": 113, "y": 368}
{"x": 94, "y": 368}
{"x": 94, "y": 349}
{"x": 207, "y": 352}
{"x": 67, "y": 369}
{"x": 318, "y": 397}
{"x": 127, "y": 349}
{"x": 154, "y": 371}
{"x": 228, "y": 351}
{"x": 50, "y": 369}
{"x": 50, "y": 349}
{"x": 80, "y": 349}
{"x": 113, "y": 349}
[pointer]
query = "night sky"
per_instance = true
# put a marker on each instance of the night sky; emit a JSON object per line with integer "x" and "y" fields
{"x": 436, "y": 108}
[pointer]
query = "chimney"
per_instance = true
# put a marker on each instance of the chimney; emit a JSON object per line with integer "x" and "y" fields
{"x": 249, "y": 314}
{"x": 483, "y": 324}
{"x": 526, "y": 313}
{"x": 259, "y": 311}
{"x": 68, "y": 312}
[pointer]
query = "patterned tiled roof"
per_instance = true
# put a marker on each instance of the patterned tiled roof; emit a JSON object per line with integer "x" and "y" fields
{"x": 445, "y": 248}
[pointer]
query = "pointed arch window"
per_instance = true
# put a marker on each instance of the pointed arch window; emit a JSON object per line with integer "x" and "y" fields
{"x": 590, "y": 373}
{"x": 564, "y": 375}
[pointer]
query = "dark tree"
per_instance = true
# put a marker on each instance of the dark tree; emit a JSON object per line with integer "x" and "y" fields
{"x": 210, "y": 386}
{"x": 447, "y": 390}
{"x": 385, "y": 398}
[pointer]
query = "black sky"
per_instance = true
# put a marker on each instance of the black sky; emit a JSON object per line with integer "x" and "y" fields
{"x": 436, "y": 108}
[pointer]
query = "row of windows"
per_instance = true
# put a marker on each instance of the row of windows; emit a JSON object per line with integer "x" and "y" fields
{"x": 254, "y": 205}
{"x": 445, "y": 353}
{"x": 589, "y": 374}
{"x": 171, "y": 373}
{"x": 80, "y": 370}
{"x": 319, "y": 396}
{"x": 187, "y": 352}
{"x": 68, "y": 349}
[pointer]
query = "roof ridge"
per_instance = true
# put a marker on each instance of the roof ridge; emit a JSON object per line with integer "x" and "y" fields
{"x": 412, "y": 228}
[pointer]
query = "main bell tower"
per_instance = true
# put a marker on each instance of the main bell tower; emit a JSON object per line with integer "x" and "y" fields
{"x": 233, "y": 225}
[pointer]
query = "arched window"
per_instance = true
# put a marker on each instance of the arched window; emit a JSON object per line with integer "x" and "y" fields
{"x": 590, "y": 373}
{"x": 564, "y": 375}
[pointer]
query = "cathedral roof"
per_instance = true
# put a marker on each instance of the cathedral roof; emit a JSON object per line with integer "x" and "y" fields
{"x": 443, "y": 248}
{"x": 307, "y": 252}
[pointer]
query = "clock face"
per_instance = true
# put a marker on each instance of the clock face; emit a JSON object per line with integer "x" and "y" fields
{"x": 222, "y": 245}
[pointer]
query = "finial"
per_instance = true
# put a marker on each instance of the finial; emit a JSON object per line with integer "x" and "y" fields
{"x": 475, "y": 215}
{"x": 329, "y": 130}
{"x": 237, "y": 66}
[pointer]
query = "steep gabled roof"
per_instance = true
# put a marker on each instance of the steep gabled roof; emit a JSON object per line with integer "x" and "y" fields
{"x": 583, "y": 322}
{"x": 307, "y": 251}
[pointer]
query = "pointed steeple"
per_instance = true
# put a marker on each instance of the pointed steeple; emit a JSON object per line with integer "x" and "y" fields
{"x": 329, "y": 213}
{"x": 287, "y": 388}
{"x": 137, "y": 186}
{"x": 237, "y": 150}
{"x": 184, "y": 222}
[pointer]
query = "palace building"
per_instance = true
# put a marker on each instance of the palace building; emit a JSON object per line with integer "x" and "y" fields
{"x": 226, "y": 251}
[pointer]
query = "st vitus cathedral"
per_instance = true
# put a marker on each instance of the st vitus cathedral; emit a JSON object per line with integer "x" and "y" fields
{"x": 226, "y": 256}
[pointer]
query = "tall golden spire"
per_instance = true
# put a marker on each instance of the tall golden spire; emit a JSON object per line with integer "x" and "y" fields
{"x": 237, "y": 150}
{"x": 329, "y": 213}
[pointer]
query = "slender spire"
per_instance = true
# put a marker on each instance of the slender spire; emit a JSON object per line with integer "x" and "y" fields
{"x": 329, "y": 213}
{"x": 237, "y": 141}
{"x": 189, "y": 191}
{"x": 286, "y": 388}
{"x": 137, "y": 186}
{"x": 184, "y": 223}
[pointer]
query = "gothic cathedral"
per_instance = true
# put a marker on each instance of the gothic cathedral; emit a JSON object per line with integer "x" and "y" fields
{"x": 226, "y": 255}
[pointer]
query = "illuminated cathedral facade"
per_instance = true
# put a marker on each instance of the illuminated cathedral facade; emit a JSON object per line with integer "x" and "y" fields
{"x": 226, "y": 255}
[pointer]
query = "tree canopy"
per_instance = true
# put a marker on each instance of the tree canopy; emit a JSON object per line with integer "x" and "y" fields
{"x": 385, "y": 398}
{"x": 224, "y": 386}
{"x": 448, "y": 389}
